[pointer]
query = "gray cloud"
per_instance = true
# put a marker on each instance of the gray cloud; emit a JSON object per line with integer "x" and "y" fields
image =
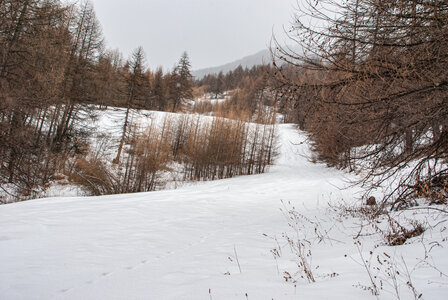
{"x": 213, "y": 32}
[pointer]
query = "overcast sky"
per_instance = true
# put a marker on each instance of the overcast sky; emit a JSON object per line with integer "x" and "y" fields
{"x": 213, "y": 32}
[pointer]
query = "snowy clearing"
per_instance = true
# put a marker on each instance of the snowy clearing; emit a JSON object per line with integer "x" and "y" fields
{"x": 212, "y": 240}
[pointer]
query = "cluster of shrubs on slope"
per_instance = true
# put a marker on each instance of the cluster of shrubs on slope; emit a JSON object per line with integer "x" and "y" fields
{"x": 180, "y": 148}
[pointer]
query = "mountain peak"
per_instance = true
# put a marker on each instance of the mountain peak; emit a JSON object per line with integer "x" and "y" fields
{"x": 259, "y": 58}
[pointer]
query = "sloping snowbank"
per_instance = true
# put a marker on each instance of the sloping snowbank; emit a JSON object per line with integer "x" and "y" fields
{"x": 187, "y": 243}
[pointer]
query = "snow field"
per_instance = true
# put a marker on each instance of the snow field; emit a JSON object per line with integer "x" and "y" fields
{"x": 183, "y": 244}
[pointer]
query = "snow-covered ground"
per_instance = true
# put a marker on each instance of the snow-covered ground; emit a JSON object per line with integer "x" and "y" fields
{"x": 211, "y": 99}
{"x": 213, "y": 240}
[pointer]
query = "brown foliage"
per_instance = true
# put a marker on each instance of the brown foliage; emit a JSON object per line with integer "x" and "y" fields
{"x": 371, "y": 87}
{"x": 94, "y": 176}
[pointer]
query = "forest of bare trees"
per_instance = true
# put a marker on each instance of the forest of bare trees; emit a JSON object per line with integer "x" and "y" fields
{"x": 56, "y": 74}
{"x": 370, "y": 84}
{"x": 250, "y": 91}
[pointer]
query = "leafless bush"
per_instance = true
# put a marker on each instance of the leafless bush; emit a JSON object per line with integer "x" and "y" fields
{"x": 305, "y": 233}
{"x": 435, "y": 189}
{"x": 377, "y": 218}
{"x": 147, "y": 158}
{"x": 298, "y": 244}
{"x": 95, "y": 176}
{"x": 386, "y": 273}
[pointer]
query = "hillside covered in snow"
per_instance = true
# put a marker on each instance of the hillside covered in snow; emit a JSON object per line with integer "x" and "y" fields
{"x": 291, "y": 233}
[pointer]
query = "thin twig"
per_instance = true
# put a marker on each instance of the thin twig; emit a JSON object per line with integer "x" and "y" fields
{"x": 236, "y": 258}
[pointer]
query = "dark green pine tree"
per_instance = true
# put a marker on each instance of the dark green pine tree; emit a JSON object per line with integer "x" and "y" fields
{"x": 181, "y": 82}
{"x": 185, "y": 79}
{"x": 218, "y": 86}
{"x": 158, "y": 90}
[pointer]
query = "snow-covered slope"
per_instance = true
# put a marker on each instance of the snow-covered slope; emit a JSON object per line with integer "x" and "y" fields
{"x": 207, "y": 241}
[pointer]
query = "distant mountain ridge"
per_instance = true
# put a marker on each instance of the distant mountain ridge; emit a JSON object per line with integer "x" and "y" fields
{"x": 259, "y": 58}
